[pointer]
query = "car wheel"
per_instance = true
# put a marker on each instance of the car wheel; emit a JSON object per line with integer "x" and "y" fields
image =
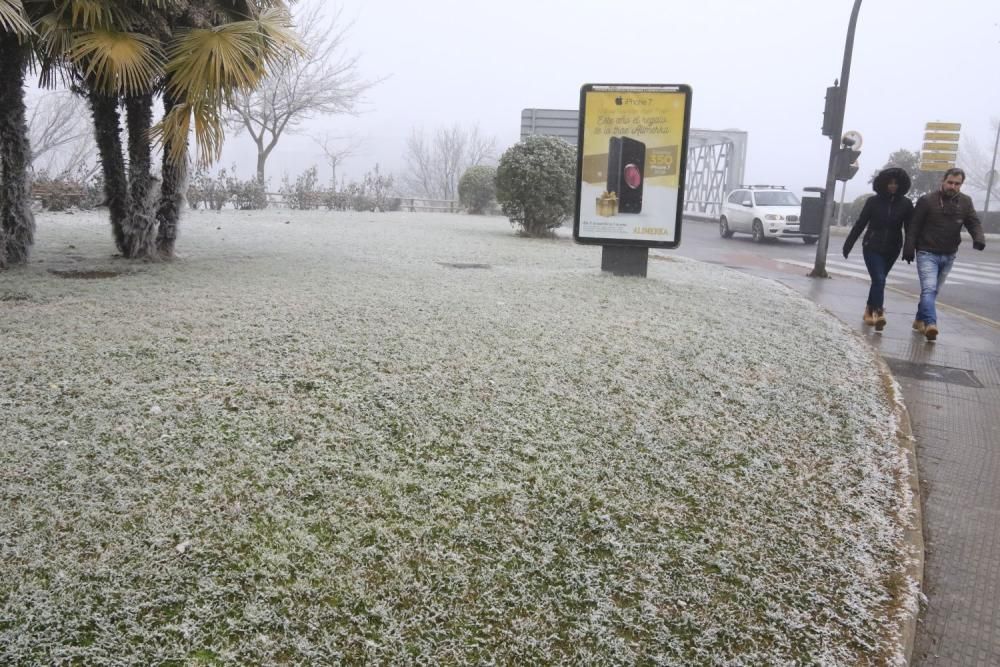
{"x": 809, "y": 240}
{"x": 724, "y": 230}
{"x": 758, "y": 232}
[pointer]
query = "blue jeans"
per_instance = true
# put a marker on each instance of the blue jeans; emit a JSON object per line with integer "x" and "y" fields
{"x": 879, "y": 266}
{"x": 932, "y": 269}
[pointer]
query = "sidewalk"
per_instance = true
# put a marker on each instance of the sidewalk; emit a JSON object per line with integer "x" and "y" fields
{"x": 952, "y": 392}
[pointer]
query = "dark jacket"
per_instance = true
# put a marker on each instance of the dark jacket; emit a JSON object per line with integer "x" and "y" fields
{"x": 937, "y": 224}
{"x": 884, "y": 215}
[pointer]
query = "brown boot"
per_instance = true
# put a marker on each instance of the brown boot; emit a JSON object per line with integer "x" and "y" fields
{"x": 918, "y": 326}
{"x": 931, "y": 332}
{"x": 869, "y": 316}
{"x": 880, "y": 319}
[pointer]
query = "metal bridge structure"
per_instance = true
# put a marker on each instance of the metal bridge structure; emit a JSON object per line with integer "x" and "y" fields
{"x": 715, "y": 159}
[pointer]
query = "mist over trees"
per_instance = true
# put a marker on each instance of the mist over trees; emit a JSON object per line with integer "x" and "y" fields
{"x": 434, "y": 165}
{"x": 977, "y": 161}
{"x": 61, "y": 136}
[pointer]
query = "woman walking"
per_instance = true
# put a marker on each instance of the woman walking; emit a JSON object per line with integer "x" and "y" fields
{"x": 885, "y": 214}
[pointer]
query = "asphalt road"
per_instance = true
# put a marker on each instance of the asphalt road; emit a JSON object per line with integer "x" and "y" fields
{"x": 973, "y": 285}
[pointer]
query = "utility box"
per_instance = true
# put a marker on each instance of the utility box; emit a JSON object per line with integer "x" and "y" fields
{"x": 811, "y": 216}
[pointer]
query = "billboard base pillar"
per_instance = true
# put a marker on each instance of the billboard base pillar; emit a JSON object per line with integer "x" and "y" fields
{"x": 622, "y": 260}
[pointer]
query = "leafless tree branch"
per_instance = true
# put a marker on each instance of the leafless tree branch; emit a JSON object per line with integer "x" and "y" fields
{"x": 977, "y": 162}
{"x": 324, "y": 81}
{"x": 62, "y": 142}
{"x": 336, "y": 150}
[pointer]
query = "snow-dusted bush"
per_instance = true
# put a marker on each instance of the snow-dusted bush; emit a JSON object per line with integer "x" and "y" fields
{"x": 536, "y": 184}
{"x": 477, "y": 188}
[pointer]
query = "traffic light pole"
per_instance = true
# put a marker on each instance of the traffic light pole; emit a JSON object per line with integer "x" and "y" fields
{"x": 819, "y": 268}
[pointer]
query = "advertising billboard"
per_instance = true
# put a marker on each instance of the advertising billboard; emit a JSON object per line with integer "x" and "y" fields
{"x": 632, "y": 155}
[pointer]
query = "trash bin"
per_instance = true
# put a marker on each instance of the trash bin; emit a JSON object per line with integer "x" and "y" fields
{"x": 811, "y": 215}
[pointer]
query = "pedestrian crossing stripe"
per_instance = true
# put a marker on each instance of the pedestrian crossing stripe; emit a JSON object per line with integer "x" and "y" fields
{"x": 842, "y": 272}
{"x": 851, "y": 271}
{"x": 981, "y": 265}
{"x": 991, "y": 276}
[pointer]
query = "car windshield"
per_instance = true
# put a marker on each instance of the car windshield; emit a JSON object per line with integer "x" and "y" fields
{"x": 776, "y": 198}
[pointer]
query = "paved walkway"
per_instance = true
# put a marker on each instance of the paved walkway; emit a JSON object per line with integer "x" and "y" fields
{"x": 952, "y": 391}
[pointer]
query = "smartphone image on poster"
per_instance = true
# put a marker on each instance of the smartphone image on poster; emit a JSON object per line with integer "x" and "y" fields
{"x": 626, "y": 172}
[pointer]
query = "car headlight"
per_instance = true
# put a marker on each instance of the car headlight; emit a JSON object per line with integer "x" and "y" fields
{"x": 773, "y": 216}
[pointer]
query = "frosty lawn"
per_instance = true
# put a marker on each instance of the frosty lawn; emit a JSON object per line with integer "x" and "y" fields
{"x": 328, "y": 437}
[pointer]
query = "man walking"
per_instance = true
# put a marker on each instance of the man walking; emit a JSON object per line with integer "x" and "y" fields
{"x": 934, "y": 234}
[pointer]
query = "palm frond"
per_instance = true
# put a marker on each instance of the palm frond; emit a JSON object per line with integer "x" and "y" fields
{"x": 206, "y": 67}
{"x": 216, "y": 62}
{"x": 118, "y": 63}
{"x": 56, "y": 36}
{"x": 172, "y": 132}
{"x": 280, "y": 39}
{"x": 13, "y": 19}
{"x": 92, "y": 14}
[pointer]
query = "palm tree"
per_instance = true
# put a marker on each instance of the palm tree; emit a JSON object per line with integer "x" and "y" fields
{"x": 101, "y": 49}
{"x": 197, "y": 54}
{"x": 17, "y": 224}
{"x": 218, "y": 49}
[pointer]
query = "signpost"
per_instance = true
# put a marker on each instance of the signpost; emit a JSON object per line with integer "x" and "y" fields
{"x": 940, "y": 149}
{"x": 631, "y": 162}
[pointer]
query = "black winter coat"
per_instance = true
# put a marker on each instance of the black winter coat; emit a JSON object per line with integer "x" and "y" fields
{"x": 884, "y": 215}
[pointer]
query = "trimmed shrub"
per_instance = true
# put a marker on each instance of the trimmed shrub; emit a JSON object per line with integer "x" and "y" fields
{"x": 477, "y": 188}
{"x": 536, "y": 184}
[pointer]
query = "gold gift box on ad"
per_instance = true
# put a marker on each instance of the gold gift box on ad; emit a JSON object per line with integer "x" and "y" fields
{"x": 607, "y": 204}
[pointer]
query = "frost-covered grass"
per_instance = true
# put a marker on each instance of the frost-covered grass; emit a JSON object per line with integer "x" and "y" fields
{"x": 317, "y": 442}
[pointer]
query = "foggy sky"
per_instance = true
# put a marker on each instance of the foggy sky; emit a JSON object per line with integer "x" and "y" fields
{"x": 760, "y": 66}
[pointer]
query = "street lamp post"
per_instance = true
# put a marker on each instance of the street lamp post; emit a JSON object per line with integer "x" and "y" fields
{"x": 819, "y": 268}
{"x": 993, "y": 170}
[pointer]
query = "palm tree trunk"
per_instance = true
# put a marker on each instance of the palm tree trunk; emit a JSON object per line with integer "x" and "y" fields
{"x": 172, "y": 191}
{"x": 17, "y": 223}
{"x": 107, "y": 131}
{"x": 139, "y": 227}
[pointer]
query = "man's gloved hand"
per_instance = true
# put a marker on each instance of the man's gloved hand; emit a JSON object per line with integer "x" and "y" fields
{"x": 908, "y": 256}
{"x": 979, "y": 245}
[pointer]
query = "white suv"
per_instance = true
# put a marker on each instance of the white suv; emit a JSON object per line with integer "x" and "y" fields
{"x": 763, "y": 211}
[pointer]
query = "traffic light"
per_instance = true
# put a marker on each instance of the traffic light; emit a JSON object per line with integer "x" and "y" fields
{"x": 847, "y": 163}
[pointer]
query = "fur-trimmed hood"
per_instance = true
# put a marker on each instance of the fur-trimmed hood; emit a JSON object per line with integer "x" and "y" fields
{"x": 881, "y": 181}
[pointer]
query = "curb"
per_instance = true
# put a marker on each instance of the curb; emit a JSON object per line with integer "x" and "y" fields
{"x": 913, "y": 533}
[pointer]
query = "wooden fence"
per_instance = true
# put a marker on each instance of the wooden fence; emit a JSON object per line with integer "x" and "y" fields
{"x": 409, "y": 204}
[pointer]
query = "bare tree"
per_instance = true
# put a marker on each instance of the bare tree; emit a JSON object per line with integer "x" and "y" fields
{"x": 433, "y": 169}
{"x": 336, "y": 150}
{"x": 978, "y": 161}
{"x": 62, "y": 140}
{"x": 324, "y": 81}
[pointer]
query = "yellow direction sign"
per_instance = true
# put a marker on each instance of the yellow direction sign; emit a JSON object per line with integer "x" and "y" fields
{"x": 940, "y": 136}
{"x": 932, "y": 146}
{"x": 945, "y": 127}
{"x": 936, "y": 166}
{"x": 939, "y": 156}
